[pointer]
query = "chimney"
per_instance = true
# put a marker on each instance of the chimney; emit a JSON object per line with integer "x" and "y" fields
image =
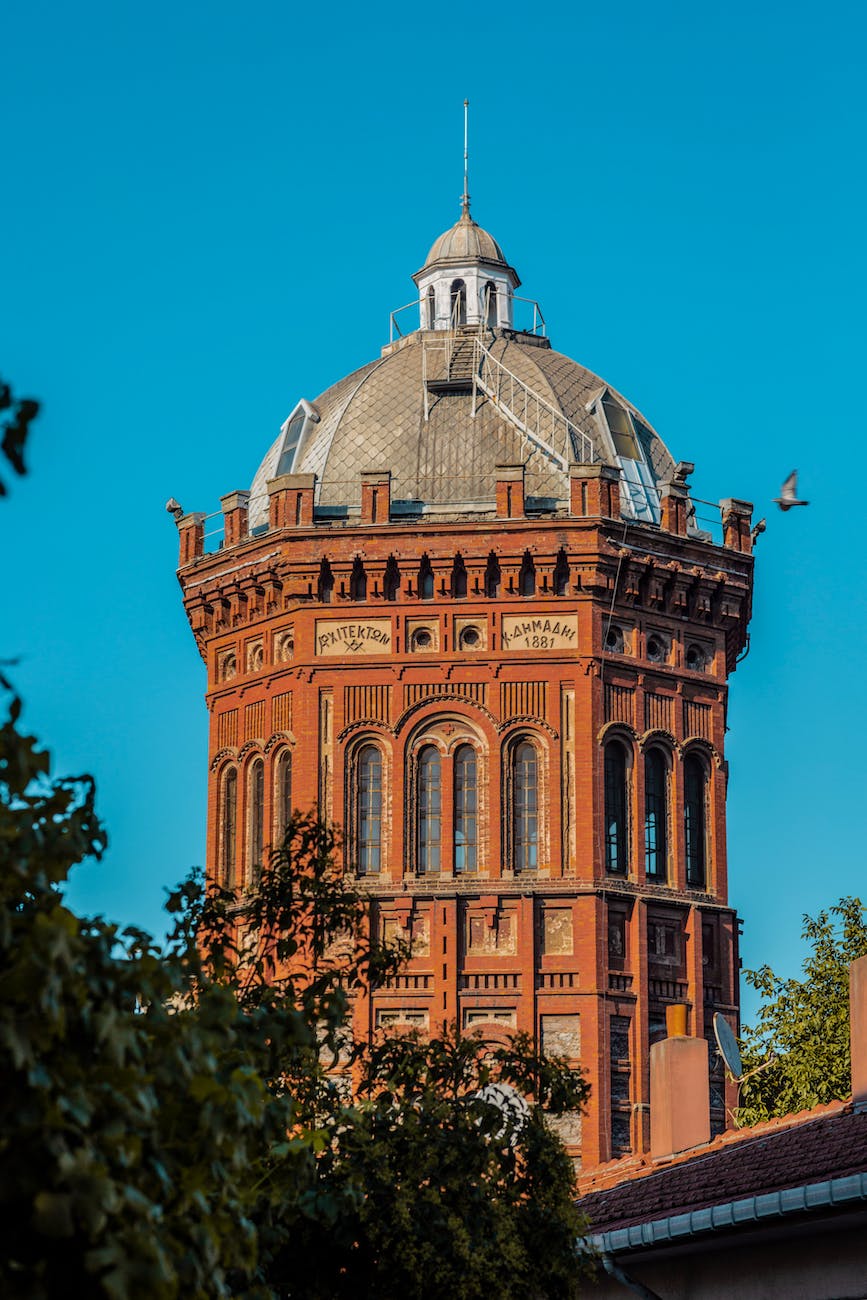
{"x": 858, "y": 1030}
{"x": 679, "y": 1089}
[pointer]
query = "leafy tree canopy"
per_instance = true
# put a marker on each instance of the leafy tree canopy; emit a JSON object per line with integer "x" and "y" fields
{"x": 804, "y": 1023}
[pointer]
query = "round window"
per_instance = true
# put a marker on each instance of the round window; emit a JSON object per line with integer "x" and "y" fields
{"x": 655, "y": 649}
{"x": 422, "y": 639}
{"x": 470, "y": 638}
{"x": 695, "y": 658}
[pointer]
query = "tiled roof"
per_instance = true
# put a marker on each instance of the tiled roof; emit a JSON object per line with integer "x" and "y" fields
{"x": 814, "y": 1146}
{"x": 374, "y": 419}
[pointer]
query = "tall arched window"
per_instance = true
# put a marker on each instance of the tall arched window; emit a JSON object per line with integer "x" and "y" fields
{"x": 425, "y": 579}
{"x": 527, "y": 578}
{"x": 655, "y": 814}
{"x": 459, "y": 303}
{"x": 368, "y": 811}
{"x": 228, "y": 827}
{"x": 358, "y": 580}
{"x": 695, "y": 819}
{"x": 256, "y": 819}
{"x": 282, "y": 794}
{"x": 429, "y": 804}
{"x": 616, "y": 809}
{"x": 490, "y": 303}
{"x": 466, "y": 809}
{"x": 431, "y": 308}
{"x": 525, "y": 807}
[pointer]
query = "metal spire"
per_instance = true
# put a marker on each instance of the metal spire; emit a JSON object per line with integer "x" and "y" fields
{"x": 465, "y": 198}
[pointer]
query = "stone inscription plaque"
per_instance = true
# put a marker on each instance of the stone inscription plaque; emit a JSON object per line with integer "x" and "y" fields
{"x": 547, "y": 632}
{"x": 341, "y": 637}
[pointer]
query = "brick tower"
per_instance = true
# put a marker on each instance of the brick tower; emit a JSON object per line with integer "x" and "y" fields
{"x": 466, "y": 610}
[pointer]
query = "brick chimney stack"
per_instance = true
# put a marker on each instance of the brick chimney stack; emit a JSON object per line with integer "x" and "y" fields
{"x": 679, "y": 1089}
{"x": 858, "y": 1030}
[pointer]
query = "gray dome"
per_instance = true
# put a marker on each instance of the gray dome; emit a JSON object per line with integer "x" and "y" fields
{"x": 374, "y": 419}
{"x": 466, "y": 241}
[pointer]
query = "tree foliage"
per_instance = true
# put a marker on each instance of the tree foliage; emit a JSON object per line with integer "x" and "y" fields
{"x": 804, "y": 1023}
{"x": 16, "y": 416}
{"x": 171, "y": 1118}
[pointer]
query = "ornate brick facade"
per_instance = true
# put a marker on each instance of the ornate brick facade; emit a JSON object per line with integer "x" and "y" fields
{"x": 515, "y": 708}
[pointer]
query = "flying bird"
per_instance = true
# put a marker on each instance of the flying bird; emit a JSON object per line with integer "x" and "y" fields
{"x": 789, "y": 493}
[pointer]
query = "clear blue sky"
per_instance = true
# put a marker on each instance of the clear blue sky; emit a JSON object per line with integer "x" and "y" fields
{"x": 209, "y": 210}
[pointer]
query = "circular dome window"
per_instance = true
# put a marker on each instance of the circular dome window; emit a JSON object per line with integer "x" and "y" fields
{"x": 696, "y": 658}
{"x": 614, "y": 640}
{"x": 422, "y": 639}
{"x": 470, "y": 638}
{"x": 655, "y": 649}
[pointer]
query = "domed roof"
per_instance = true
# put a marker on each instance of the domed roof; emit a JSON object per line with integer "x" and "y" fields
{"x": 465, "y": 241}
{"x": 445, "y": 459}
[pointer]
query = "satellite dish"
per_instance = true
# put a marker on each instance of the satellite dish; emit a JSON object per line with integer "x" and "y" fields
{"x": 728, "y": 1046}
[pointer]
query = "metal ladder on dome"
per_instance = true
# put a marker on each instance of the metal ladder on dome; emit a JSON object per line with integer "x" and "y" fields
{"x": 537, "y": 420}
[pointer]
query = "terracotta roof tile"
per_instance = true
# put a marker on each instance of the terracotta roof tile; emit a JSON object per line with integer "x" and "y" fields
{"x": 827, "y": 1142}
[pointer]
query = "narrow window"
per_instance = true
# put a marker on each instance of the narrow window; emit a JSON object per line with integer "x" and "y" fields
{"x": 655, "y": 814}
{"x": 425, "y": 579}
{"x": 358, "y": 581}
{"x": 283, "y": 793}
{"x": 525, "y": 809}
{"x": 459, "y": 303}
{"x": 561, "y": 574}
{"x": 256, "y": 820}
{"x": 431, "y": 308}
{"x": 695, "y": 819}
{"x": 391, "y": 579}
{"x": 459, "y": 578}
{"x": 429, "y": 809}
{"x": 491, "y": 304}
{"x": 527, "y": 578}
{"x": 229, "y": 822}
{"x": 369, "y": 810}
{"x": 466, "y": 809}
{"x": 326, "y": 582}
{"x": 625, "y": 441}
{"x": 616, "y": 804}
{"x": 492, "y": 576}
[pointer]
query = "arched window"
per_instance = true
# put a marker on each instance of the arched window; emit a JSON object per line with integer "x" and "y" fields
{"x": 492, "y": 576}
{"x": 466, "y": 809}
{"x": 695, "y": 819}
{"x": 525, "y": 807}
{"x": 561, "y": 574}
{"x": 256, "y": 819}
{"x": 358, "y": 580}
{"x": 425, "y": 579}
{"x": 527, "y": 578}
{"x": 655, "y": 814}
{"x": 616, "y": 809}
{"x": 459, "y": 578}
{"x": 431, "y": 308}
{"x": 429, "y": 804}
{"x": 326, "y": 582}
{"x": 282, "y": 794}
{"x": 228, "y": 827}
{"x": 490, "y": 302}
{"x": 459, "y": 303}
{"x": 391, "y": 579}
{"x": 368, "y": 811}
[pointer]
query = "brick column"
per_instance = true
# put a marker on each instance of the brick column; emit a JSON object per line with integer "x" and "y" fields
{"x": 375, "y": 496}
{"x": 594, "y": 491}
{"x": 235, "y": 510}
{"x": 736, "y": 519}
{"x": 191, "y": 538}
{"x": 510, "y": 491}
{"x": 290, "y": 500}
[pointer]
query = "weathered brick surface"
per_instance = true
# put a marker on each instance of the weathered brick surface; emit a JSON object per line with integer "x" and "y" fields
{"x": 529, "y": 950}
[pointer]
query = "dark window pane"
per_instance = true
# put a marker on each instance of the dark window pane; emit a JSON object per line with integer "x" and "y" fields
{"x": 655, "y": 814}
{"x": 369, "y": 812}
{"x": 230, "y": 816}
{"x": 257, "y": 817}
{"x": 429, "y": 809}
{"x": 466, "y": 826}
{"x": 525, "y": 812}
{"x": 616, "y": 806}
{"x": 694, "y": 818}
